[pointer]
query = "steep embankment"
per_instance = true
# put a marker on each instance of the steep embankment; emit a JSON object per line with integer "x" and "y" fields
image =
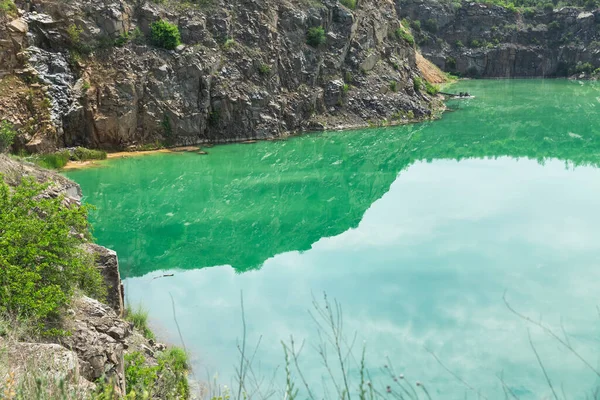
{"x": 244, "y": 70}
{"x": 479, "y": 40}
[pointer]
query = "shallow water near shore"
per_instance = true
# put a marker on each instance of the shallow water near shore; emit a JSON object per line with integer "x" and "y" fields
{"x": 418, "y": 231}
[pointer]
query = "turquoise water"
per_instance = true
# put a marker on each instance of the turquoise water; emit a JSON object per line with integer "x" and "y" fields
{"x": 417, "y": 231}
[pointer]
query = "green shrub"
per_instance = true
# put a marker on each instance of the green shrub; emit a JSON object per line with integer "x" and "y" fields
{"x": 553, "y": 26}
{"x": 548, "y": 7}
{"x": 264, "y": 69}
{"x": 351, "y": 4}
{"x": 474, "y": 43}
{"x": 586, "y": 68}
{"x": 41, "y": 259}
{"x": 139, "y": 319}
{"x": 529, "y": 12}
{"x": 165, "y": 35}
{"x": 402, "y": 34}
{"x": 345, "y": 89}
{"x": 7, "y": 135}
{"x": 139, "y": 377}
{"x": 431, "y": 89}
{"x": 167, "y": 380}
{"x": 123, "y": 38}
{"x": 315, "y": 36}
{"x": 393, "y": 86}
{"x": 416, "y": 25}
{"x": 8, "y": 7}
{"x": 431, "y": 25}
{"x": 417, "y": 84}
{"x": 74, "y": 33}
{"x": 83, "y": 154}
{"x": 458, "y": 44}
{"x": 229, "y": 43}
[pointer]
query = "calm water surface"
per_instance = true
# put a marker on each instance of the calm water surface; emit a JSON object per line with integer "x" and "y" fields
{"x": 417, "y": 231}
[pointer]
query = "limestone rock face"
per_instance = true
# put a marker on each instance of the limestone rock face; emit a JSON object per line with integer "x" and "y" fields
{"x": 98, "y": 337}
{"x": 108, "y": 264}
{"x": 482, "y": 40}
{"x": 244, "y": 70}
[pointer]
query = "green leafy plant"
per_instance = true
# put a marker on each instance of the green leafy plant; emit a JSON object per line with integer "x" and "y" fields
{"x": 122, "y": 39}
{"x": 7, "y": 135}
{"x": 393, "y": 86}
{"x": 165, "y": 35}
{"x": 74, "y": 33}
{"x": 458, "y": 44}
{"x": 450, "y": 63}
{"x": 41, "y": 258}
{"x": 166, "y": 380}
{"x": 431, "y": 89}
{"x": 229, "y": 43}
{"x": 264, "y": 69}
{"x": 418, "y": 84}
{"x": 315, "y": 36}
{"x": 405, "y": 35}
{"x": 8, "y": 7}
{"x": 416, "y": 25}
{"x": 430, "y": 25}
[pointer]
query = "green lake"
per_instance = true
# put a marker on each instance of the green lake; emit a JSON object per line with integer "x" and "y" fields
{"x": 418, "y": 231}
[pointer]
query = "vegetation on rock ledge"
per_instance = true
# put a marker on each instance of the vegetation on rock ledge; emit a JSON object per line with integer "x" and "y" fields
{"x": 41, "y": 258}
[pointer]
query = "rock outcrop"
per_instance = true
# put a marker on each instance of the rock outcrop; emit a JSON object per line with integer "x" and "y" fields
{"x": 244, "y": 70}
{"x": 479, "y": 40}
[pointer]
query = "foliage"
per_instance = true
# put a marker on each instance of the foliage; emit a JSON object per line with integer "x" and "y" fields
{"x": 165, "y": 35}
{"x": 83, "y": 154}
{"x": 553, "y": 26}
{"x": 393, "y": 86}
{"x": 264, "y": 69}
{"x": 458, "y": 44}
{"x": 74, "y": 33}
{"x": 229, "y": 43}
{"x": 55, "y": 160}
{"x": 548, "y": 7}
{"x": 7, "y": 135}
{"x": 416, "y": 25}
{"x": 139, "y": 319}
{"x": 586, "y": 68}
{"x": 122, "y": 39}
{"x": 351, "y": 4}
{"x": 315, "y": 36}
{"x": 8, "y": 7}
{"x": 418, "y": 84}
{"x": 41, "y": 259}
{"x": 430, "y": 25}
{"x": 431, "y": 89}
{"x": 345, "y": 88}
{"x": 168, "y": 379}
{"x": 402, "y": 34}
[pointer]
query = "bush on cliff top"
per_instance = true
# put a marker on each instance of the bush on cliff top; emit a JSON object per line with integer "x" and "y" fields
{"x": 164, "y": 34}
{"x": 41, "y": 258}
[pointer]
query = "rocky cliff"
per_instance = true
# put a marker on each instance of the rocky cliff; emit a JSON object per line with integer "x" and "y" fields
{"x": 479, "y": 40}
{"x": 84, "y": 73}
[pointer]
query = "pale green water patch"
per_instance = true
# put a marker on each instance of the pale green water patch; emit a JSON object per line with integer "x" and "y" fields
{"x": 418, "y": 247}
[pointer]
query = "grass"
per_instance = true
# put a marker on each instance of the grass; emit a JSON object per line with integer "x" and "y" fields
{"x": 139, "y": 318}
